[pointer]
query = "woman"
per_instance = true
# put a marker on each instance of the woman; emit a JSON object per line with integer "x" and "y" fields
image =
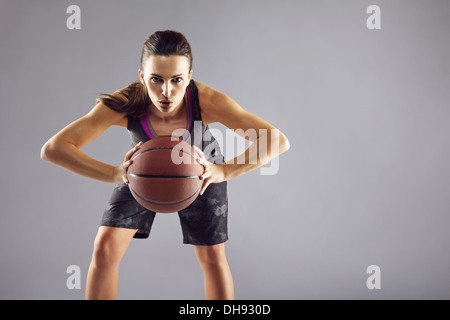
{"x": 164, "y": 102}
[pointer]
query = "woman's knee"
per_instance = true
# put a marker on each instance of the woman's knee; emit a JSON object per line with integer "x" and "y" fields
{"x": 109, "y": 248}
{"x": 104, "y": 253}
{"x": 211, "y": 255}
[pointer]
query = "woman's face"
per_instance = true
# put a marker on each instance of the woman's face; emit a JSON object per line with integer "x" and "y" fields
{"x": 166, "y": 79}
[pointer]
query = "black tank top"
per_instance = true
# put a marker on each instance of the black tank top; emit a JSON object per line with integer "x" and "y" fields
{"x": 196, "y": 133}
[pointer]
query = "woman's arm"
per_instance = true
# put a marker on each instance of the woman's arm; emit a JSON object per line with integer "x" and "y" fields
{"x": 268, "y": 141}
{"x": 63, "y": 149}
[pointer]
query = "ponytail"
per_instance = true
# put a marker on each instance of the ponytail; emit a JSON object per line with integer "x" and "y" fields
{"x": 133, "y": 99}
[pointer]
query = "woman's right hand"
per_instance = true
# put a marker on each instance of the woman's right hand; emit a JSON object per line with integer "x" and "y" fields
{"x": 120, "y": 172}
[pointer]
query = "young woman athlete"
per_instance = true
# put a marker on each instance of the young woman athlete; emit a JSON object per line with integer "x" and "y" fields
{"x": 166, "y": 101}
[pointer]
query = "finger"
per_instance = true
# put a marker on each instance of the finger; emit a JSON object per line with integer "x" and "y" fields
{"x": 202, "y": 159}
{"x": 136, "y": 147}
{"x": 206, "y": 174}
{"x": 125, "y": 179}
{"x": 132, "y": 151}
{"x": 205, "y": 185}
{"x": 129, "y": 154}
{"x": 206, "y": 170}
{"x": 200, "y": 152}
{"x": 204, "y": 163}
{"x": 126, "y": 164}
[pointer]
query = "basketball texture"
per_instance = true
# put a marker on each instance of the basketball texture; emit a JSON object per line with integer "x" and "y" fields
{"x": 164, "y": 176}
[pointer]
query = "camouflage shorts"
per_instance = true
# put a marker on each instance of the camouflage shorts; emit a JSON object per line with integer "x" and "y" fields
{"x": 204, "y": 222}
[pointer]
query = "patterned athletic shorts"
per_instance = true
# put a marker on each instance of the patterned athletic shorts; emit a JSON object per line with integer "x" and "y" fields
{"x": 204, "y": 222}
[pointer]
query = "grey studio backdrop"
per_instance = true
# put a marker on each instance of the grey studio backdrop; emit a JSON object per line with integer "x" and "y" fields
{"x": 366, "y": 181}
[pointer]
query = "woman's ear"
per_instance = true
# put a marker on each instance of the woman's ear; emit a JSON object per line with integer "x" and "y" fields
{"x": 141, "y": 76}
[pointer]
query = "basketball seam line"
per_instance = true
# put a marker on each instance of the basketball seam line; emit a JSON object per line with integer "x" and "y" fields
{"x": 158, "y": 176}
{"x": 165, "y": 148}
{"x": 164, "y": 203}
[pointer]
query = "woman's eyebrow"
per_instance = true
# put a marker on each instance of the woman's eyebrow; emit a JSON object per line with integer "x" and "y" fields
{"x": 157, "y": 75}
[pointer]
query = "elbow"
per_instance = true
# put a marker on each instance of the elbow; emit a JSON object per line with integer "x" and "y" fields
{"x": 287, "y": 146}
{"x": 284, "y": 144}
{"x": 45, "y": 152}
{"x": 48, "y": 151}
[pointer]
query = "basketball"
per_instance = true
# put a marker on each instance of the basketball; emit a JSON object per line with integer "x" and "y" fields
{"x": 164, "y": 176}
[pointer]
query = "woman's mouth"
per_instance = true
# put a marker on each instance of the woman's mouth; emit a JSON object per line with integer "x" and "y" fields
{"x": 165, "y": 103}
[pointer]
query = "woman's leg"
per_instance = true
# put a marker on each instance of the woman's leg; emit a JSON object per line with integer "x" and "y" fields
{"x": 217, "y": 274}
{"x": 103, "y": 275}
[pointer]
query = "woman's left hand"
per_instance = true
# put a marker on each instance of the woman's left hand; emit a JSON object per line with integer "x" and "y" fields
{"x": 213, "y": 173}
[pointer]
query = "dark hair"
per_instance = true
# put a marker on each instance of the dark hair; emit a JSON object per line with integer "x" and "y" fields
{"x": 133, "y": 99}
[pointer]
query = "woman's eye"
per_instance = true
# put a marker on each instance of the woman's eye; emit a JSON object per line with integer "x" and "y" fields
{"x": 155, "y": 79}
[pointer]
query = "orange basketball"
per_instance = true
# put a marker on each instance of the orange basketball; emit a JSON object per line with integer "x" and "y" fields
{"x": 165, "y": 175}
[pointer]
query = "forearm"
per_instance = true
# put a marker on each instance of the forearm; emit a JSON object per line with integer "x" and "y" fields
{"x": 262, "y": 150}
{"x": 71, "y": 158}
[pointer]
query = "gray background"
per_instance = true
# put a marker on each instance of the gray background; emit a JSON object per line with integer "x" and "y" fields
{"x": 366, "y": 180}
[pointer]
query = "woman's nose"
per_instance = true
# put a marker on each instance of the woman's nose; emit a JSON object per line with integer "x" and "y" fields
{"x": 167, "y": 90}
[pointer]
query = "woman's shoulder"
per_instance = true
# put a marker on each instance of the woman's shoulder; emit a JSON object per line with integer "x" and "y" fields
{"x": 213, "y": 103}
{"x": 208, "y": 96}
{"x": 124, "y": 103}
{"x": 201, "y": 87}
{"x": 106, "y": 114}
